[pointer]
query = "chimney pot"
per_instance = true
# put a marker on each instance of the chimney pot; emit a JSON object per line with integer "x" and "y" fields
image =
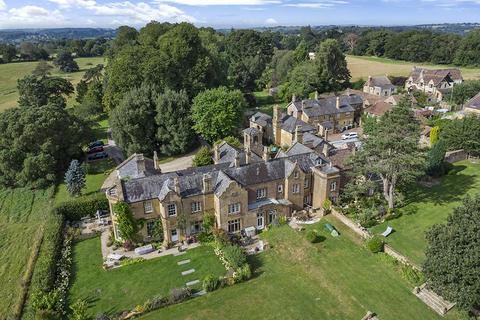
{"x": 266, "y": 154}
{"x": 237, "y": 159}
{"x": 294, "y": 98}
{"x": 325, "y": 150}
{"x": 338, "y": 102}
{"x": 298, "y": 134}
{"x": 216, "y": 152}
{"x": 248, "y": 156}
{"x": 176, "y": 185}
{"x": 316, "y": 95}
{"x": 156, "y": 162}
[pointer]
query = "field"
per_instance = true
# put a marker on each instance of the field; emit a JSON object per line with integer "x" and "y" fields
{"x": 428, "y": 206}
{"x": 123, "y": 288}
{"x": 334, "y": 279}
{"x": 362, "y": 67}
{"x": 11, "y": 72}
{"x": 23, "y": 214}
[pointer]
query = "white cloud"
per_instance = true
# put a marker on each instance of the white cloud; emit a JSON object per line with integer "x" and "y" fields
{"x": 74, "y": 3}
{"x": 30, "y": 16}
{"x": 221, "y": 2}
{"x": 318, "y": 4}
{"x": 3, "y": 6}
{"x": 271, "y": 21}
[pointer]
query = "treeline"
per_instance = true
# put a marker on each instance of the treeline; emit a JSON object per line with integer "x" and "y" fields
{"x": 30, "y": 51}
{"x": 417, "y": 46}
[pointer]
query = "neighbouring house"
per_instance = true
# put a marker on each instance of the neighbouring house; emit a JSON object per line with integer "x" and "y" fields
{"x": 395, "y": 100}
{"x": 379, "y": 86}
{"x": 378, "y": 109}
{"x": 240, "y": 194}
{"x": 287, "y": 128}
{"x": 435, "y": 83}
{"x": 338, "y": 113}
{"x": 263, "y": 122}
{"x": 473, "y": 105}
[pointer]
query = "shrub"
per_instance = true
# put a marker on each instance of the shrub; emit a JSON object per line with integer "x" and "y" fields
{"x": 210, "y": 283}
{"x": 205, "y": 237}
{"x": 282, "y": 220}
{"x": 85, "y": 206}
{"x": 327, "y": 206}
{"x": 79, "y": 310}
{"x": 203, "y": 157}
{"x": 235, "y": 256}
{"x": 312, "y": 236}
{"x": 375, "y": 244}
{"x": 47, "y": 315}
{"x": 368, "y": 223}
{"x": 127, "y": 262}
{"x": 179, "y": 295}
{"x": 411, "y": 275}
{"x": 244, "y": 273}
{"x": 221, "y": 237}
{"x": 156, "y": 303}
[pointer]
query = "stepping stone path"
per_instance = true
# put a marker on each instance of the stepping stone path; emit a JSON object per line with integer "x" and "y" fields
{"x": 191, "y": 283}
{"x": 183, "y": 262}
{"x": 184, "y": 273}
{"x": 176, "y": 254}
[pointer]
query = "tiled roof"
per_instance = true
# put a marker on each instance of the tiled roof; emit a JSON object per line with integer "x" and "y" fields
{"x": 327, "y": 106}
{"x": 437, "y": 75}
{"x": 474, "y": 103}
{"x": 261, "y": 118}
{"x": 228, "y": 153}
{"x": 380, "y": 108}
{"x": 290, "y": 124}
{"x": 379, "y": 81}
{"x": 130, "y": 169}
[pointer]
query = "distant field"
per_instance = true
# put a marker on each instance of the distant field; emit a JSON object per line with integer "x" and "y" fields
{"x": 11, "y": 72}
{"x": 362, "y": 67}
{"x": 23, "y": 215}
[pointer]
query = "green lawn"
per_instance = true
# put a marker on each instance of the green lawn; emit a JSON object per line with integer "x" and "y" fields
{"x": 265, "y": 102}
{"x": 23, "y": 214}
{"x": 11, "y": 72}
{"x": 120, "y": 289}
{"x": 362, "y": 67}
{"x": 334, "y": 279}
{"x": 428, "y": 206}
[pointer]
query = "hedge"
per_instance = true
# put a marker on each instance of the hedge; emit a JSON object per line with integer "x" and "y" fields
{"x": 375, "y": 244}
{"x": 85, "y": 206}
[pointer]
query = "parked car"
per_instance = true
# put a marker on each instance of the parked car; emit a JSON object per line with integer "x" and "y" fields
{"x": 95, "y": 150}
{"x": 349, "y": 135}
{"x": 98, "y": 143}
{"x": 97, "y": 156}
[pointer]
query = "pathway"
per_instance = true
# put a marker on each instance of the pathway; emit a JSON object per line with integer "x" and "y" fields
{"x": 181, "y": 163}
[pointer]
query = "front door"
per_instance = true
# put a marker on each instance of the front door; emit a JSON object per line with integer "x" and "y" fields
{"x": 174, "y": 235}
{"x": 260, "y": 222}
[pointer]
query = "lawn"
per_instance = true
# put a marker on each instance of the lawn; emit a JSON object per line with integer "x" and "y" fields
{"x": 23, "y": 215}
{"x": 265, "y": 102}
{"x": 334, "y": 279}
{"x": 11, "y": 72}
{"x": 123, "y": 288}
{"x": 362, "y": 67}
{"x": 428, "y": 206}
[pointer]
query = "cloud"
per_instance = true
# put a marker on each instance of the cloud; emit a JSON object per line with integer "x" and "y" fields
{"x": 221, "y": 2}
{"x": 271, "y": 21}
{"x": 317, "y": 4}
{"x": 74, "y": 3}
{"x": 3, "y": 6}
{"x": 30, "y": 16}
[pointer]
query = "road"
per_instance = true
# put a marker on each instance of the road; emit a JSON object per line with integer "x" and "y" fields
{"x": 113, "y": 150}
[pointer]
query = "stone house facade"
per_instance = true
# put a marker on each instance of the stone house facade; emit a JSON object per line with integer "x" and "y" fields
{"x": 435, "y": 83}
{"x": 379, "y": 86}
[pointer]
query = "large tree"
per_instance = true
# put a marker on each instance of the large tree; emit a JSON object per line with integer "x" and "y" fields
{"x": 39, "y": 91}
{"x": 38, "y": 143}
{"x": 331, "y": 66}
{"x": 174, "y": 125}
{"x": 75, "y": 178}
{"x": 217, "y": 113}
{"x": 133, "y": 121}
{"x": 452, "y": 266}
{"x": 462, "y": 134}
{"x": 391, "y": 151}
{"x": 64, "y": 61}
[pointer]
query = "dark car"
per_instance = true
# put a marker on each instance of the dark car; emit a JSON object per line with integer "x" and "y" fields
{"x": 97, "y": 156}
{"x": 95, "y": 150}
{"x": 98, "y": 143}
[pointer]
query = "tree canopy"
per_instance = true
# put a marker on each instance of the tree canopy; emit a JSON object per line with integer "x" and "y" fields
{"x": 462, "y": 134}
{"x": 64, "y": 61}
{"x": 39, "y": 91}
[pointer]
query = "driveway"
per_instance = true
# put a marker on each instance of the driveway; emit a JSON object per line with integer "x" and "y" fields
{"x": 113, "y": 150}
{"x": 181, "y": 163}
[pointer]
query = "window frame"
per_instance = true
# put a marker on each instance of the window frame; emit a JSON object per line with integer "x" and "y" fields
{"x": 333, "y": 186}
{"x": 295, "y": 188}
{"x": 261, "y": 193}
{"x": 236, "y": 208}
{"x": 234, "y": 225}
{"x": 196, "y": 206}
{"x": 174, "y": 209}
{"x": 279, "y": 188}
{"x": 150, "y": 203}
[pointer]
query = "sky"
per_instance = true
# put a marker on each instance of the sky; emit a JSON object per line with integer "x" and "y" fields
{"x": 233, "y": 13}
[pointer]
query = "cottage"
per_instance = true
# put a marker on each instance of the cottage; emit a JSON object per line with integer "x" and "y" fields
{"x": 379, "y": 86}
{"x": 473, "y": 105}
{"x": 379, "y": 109}
{"x": 435, "y": 83}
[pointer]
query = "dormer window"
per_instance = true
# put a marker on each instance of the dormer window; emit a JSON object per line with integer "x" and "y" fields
{"x": 261, "y": 193}
{"x": 147, "y": 207}
{"x": 172, "y": 209}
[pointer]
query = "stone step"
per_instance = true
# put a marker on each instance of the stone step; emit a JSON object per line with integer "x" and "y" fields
{"x": 434, "y": 301}
{"x": 183, "y": 262}
{"x": 184, "y": 273}
{"x": 180, "y": 253}
{"x": 193, "y": 282}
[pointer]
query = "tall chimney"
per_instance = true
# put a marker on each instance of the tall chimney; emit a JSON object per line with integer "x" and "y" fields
{"x": 298, "y": 134}
{"x": 156, "y": 162}
{"x": 266, "y": 154}
{"x": 216, "y": 152}
{"x": 316, "y": 95}
{"x": 237, "y": 159}
{"x": 140, "y": 164}
{"x": 326, "y": 134}
{"x": 338, "y": 103}
{"x": 248, "y": 156}
{"x": 207, "y": 183}
{"x": 294, "y": 98}
{"x": 325, "y": 150}
{"x": 176, "y": 184}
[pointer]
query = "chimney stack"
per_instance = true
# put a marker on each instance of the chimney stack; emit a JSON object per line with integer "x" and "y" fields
{"x": 338, "y": 103}
{"x": 294, "y": 98}
{"x": 216, "y": 152}
{"x": 266, "y": 154}
{"x": 140, "y": 164}
{"x": 207, "y": 183}
{"x": 326, "y": 134}
{"x": 237, "y": 159}
{"x": 316, "y": 95}
{"x": 325, "y": 150}
{"x": 248, "y": 156}
{"x": 176, "y": 184}
{"x": 298, "y": 134}
{"x": 156, "y": 162}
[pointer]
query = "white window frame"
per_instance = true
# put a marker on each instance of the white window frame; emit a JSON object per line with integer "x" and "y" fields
{"x": 147, "y": 207}
{"x": 196, "y": 206}
{"x": 169, "y": 209}
{"x": 261, "y": 193}
{"x": 234, "y": 225}
{"x": 333, "y": 185}
{"x": 296, "y": 188}
{"x": 193, "y": 226}
{"x": 234, "y": 208}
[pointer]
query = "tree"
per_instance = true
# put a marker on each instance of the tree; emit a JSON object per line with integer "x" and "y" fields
{"x": 217, "y": 113}
{"x": 75, "y": 178}
{"x": 65, "y": 62}
{"x": 248, "y": 52}
{"x": 462, "y": 134}
{"x": 133, "y": 121}
{"x": 391, "y": 151}
{"x": 42, "y": 69}
{"x": 331, "y": 67}
{"x": 38, "y": 143}
{"x": 434, "y": 135}
{"x": 468, "y": 53}
{"x": 91, "y": 104}
{"x": 203, "y": 157}
{"x": 351, "y": 41}
{"x": 127, "y": 225}
{"x": 464, "y": 92}
{"x": 301, "y": 81}
{"x": 451, "y": 266}
{"x": 38, "y": 92}
{"x": 435, "y": 159}
{"x": 174, "y": 126}
{"x": 150, "y": 33}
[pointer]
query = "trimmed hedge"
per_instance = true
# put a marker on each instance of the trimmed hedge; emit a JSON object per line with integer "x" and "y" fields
{"x": 85, "y": 206}
{"x": 375, "y": 244}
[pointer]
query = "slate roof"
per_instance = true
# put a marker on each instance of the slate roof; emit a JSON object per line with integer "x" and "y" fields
{"x": 379, "y": 81}
{"x": 298, "y": 148}
{"x": 129, "y": 168}
{"x": 437, "y": 75}
{"x": 327, "y": 105}
{"x": 228, "y": 153}
{"x": 251, "y": 131}
{"x": 261, "y": 119}
{"x": 474, "y": 103}
{"x": 313, "y": 141}
{"x": 290, "y": 124}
